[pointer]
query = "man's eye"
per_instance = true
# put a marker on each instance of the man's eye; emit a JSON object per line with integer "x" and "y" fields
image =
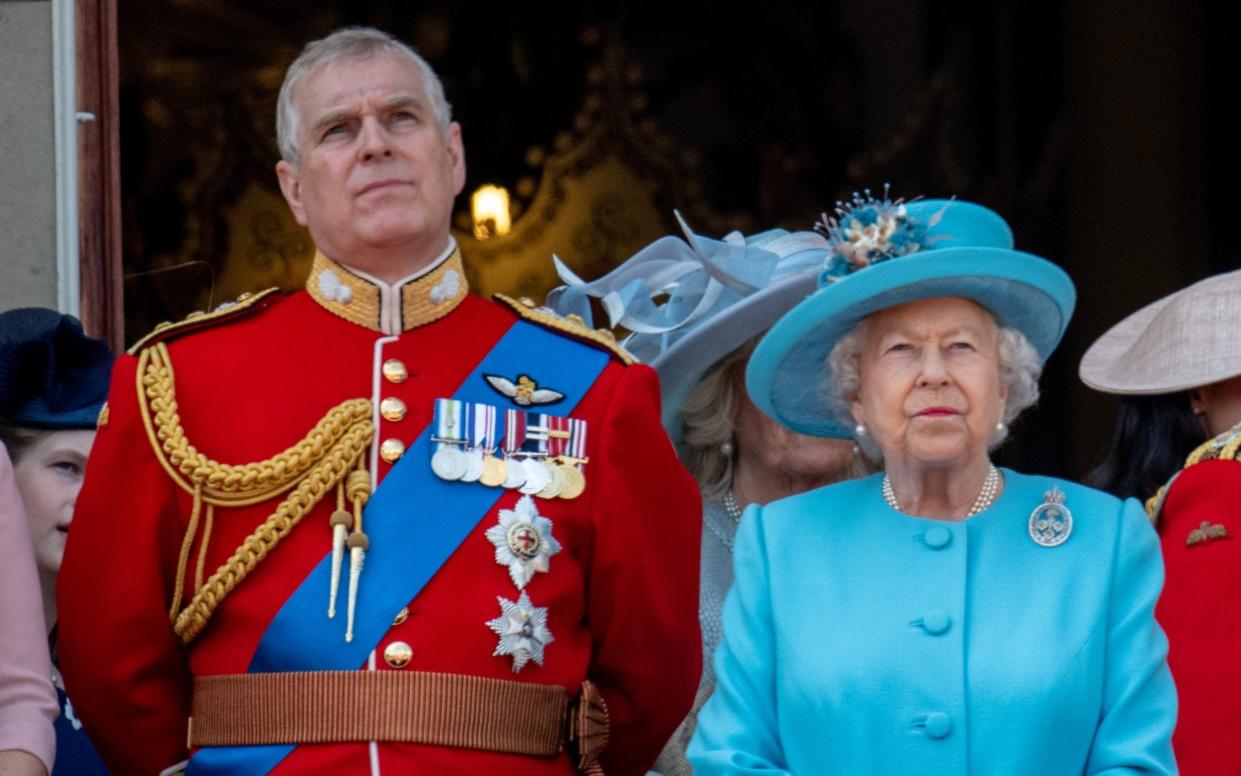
{"x": 335, "y": 129}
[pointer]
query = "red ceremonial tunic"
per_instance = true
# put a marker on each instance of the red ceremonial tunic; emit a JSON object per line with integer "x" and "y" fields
{"x": 621, "y": 595}
{"x": 1200, "y": 610}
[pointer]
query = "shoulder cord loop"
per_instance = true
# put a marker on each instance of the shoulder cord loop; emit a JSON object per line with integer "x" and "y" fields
{"x": 309, "y": 469}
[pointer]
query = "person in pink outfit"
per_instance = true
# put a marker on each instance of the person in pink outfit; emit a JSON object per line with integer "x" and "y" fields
{"x": 27, "y": 700}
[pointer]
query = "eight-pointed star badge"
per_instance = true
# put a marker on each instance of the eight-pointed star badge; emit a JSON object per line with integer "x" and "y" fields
{"x": 524, "y": 541}
{"x": 522, "y": 628}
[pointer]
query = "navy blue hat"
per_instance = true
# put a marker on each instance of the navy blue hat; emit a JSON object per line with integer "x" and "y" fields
{"x": 51, "y": 374}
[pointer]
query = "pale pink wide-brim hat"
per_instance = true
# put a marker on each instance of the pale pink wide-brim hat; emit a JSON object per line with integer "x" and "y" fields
{"x": 1185, "y": 340}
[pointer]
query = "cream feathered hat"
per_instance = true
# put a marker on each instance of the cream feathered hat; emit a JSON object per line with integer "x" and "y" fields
{"x": 1185, "y": 340}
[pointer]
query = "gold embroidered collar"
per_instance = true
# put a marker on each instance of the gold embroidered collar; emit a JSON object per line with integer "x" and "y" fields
{"x": 389, "y": 308}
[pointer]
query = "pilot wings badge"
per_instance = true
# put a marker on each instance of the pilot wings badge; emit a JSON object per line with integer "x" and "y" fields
{"x": 524, "y": 391}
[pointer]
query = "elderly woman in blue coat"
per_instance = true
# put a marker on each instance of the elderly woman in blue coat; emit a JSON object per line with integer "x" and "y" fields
{"x": 946, "y": 617}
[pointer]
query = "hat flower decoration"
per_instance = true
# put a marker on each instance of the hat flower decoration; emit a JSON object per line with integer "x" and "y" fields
{"x": 867, "y": 230}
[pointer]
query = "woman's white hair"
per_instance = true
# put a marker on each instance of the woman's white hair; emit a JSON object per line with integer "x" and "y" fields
{"x": 348, "y": 43}
{"x": 1020, "y": 367}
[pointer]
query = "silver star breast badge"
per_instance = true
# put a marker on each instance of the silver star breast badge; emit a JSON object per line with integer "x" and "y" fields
{"x": 523, "y": 540}
{"x": 522, "y": 628}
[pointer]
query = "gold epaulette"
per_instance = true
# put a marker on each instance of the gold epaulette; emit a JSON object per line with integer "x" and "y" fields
{"x": 245, "y": 304}
{"x": 1225, "y": 447}
{"x": 570, "y": 325}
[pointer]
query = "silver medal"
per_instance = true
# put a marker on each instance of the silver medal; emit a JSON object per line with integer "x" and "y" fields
{"x": 473, "y": 466}
{"x": 448, "y": 463}
{"x": 515, "y": 474}
{"x": 536, "y": 476}
{"x": 1051, "y": 522}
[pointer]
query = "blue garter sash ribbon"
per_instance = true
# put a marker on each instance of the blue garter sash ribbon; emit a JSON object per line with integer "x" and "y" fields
{"x": 415, "y": 522}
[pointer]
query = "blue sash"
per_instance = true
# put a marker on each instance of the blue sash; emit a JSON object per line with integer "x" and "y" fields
{"x": 415, "y": 522}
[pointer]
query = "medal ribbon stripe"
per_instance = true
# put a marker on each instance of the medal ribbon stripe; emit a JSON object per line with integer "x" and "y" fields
{"x": 415, "y": 522}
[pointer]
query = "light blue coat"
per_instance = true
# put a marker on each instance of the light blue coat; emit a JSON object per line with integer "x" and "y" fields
{"x": 858, "y": 640}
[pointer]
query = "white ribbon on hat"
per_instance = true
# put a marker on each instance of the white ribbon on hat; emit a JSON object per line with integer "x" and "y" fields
{"x": 689, "y": 278}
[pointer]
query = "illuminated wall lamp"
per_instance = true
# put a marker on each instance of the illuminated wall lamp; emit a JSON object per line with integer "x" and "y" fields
{"x": 489, "y": 209}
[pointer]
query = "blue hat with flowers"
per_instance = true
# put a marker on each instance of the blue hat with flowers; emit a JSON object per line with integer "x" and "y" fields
{"x": 689, "y": 303}
{"x": 52, "y": 375}
{"x": 884, "y": 253}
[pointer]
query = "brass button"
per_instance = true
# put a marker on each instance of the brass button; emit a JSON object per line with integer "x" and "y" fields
{"x": 398, "y": 654}
{"x": 392, "y": 409}
{"x": 401, "y": 616}
{"x": 395, "y": 371}
{"x": 391, "y": 450}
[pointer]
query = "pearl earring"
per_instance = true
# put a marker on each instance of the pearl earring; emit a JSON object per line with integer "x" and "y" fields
{"x": 727, "y": 448}
{"x": 859, "y": 430}
{"x": 1001, "y": 427}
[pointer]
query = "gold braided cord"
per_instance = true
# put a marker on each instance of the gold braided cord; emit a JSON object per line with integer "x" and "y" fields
{"x": 178, "y": 588}
{"x": 307, "y": 471}
{"x": 224, "y": 484}
{"x": 324, "y": 476}
{"x": 1226, "y": 447}
{"x": 202, "y": 547}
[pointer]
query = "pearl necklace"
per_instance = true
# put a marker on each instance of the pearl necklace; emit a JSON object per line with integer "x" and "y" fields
{"x": 986, "y": 496}
{"x": 732, "y": 507}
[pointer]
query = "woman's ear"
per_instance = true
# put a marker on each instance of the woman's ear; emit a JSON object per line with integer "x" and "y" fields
{"x": 856, "y": 408}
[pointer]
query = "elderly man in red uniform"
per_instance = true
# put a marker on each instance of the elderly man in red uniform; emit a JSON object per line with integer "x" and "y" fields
{"x": 380, "y": 526}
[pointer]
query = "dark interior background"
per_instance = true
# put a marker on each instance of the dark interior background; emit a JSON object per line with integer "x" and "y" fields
{"x": 1104, "y": 132}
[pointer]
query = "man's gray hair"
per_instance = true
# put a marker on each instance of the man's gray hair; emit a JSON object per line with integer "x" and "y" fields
{"x": 1020, "y": 367}
{"x": 344, "y": 44}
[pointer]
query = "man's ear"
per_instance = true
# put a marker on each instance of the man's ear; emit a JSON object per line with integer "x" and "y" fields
{"x": 456, "y": 151}
{"x": 290, "y": 187}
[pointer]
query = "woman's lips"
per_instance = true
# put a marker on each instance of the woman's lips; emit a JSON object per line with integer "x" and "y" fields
{"x": 937, "y": 412}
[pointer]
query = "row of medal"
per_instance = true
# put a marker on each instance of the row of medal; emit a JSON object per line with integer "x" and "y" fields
{"x": 534, "y": 453}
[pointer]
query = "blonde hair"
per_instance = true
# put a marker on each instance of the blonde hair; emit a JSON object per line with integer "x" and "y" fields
{"x": 708, "y": 422}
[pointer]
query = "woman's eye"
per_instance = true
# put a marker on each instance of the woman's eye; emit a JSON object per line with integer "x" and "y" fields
{"x": 962, "y": 346}
{"x": 899, "y": 347}
{"x": 68, "y": 467}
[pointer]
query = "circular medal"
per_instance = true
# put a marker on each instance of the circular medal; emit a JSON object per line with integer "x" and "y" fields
{"x": 536, "y": 476}
{"x": 448, "y": 463}
{"x": 515, "y": 473}
{"x": 1051, "y": 522}
{"x": 555, "y": 481}
{"x": 473, "y": 466}
{"x": 494, "y": 472}
{"x": 524, "y": 541}
{"x": 574, "y": 481}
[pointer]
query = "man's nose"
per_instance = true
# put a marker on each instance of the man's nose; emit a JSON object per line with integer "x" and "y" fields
{"x": 373, "y": 139}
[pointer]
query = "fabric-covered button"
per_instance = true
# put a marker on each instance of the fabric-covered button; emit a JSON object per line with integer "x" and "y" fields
{"x": 938, "y": 724}
{"x": 937, "y": 537}
{"x": 936, "y": 622}
{"x": 398, "y": 654}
